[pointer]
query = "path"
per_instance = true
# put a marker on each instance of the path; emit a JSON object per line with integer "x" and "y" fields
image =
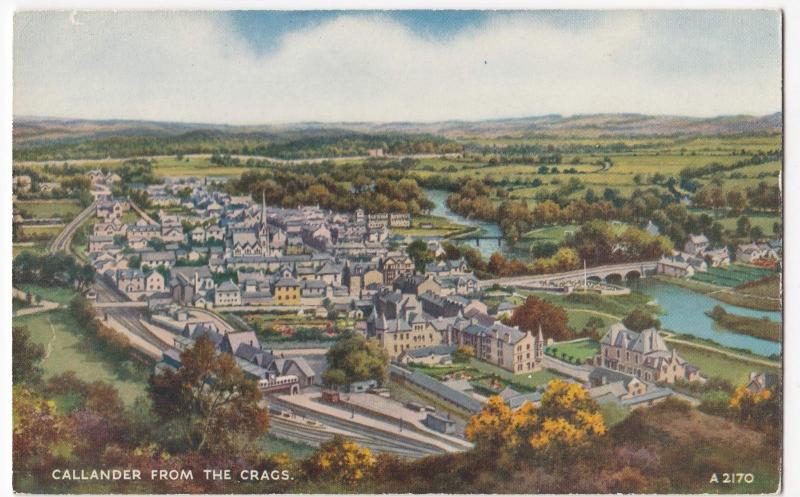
{"x": 760, "y": 297}
{"x": 44, "y": 305}
{"x": 141, "y": 213}
{"x": 591, "y": 311}
{"x": 580, "y": 373}
{"x": 670, "y": 337}
{"x": 51, "y": 341}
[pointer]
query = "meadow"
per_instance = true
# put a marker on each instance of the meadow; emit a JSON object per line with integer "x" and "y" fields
{"x": 65, "y": 209}
{"x": 714, "y": 364}
{"x": 66, "y": 349}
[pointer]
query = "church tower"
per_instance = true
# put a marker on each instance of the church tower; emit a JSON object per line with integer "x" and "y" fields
{"x": 539, "y": 346}
{"x": 263, "y": 229}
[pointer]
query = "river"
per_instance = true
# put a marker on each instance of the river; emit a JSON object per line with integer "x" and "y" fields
{"x": 684, "y": 312}
{"x": 486, "y": 247}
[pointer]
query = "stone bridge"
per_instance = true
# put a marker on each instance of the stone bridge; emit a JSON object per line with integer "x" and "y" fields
{"x": 612, "y": 273}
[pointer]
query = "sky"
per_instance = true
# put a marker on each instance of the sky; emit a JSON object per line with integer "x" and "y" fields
{"x": 257, "y": 67}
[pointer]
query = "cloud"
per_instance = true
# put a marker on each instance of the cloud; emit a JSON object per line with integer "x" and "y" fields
{"x": 199, "y": 67}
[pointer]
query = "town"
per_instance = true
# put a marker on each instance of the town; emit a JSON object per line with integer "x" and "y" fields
{"x": 210, "y": 259}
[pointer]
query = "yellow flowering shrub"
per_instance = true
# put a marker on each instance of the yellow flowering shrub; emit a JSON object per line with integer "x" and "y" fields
{"x": 567, "y": 417}
{"x": 340, "y": 460}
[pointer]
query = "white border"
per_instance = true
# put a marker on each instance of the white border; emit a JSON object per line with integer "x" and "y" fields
{"x": 791, "y": 23}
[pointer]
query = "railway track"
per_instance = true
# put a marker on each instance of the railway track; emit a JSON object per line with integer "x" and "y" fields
{"x": 61, "y": 242}
{"x": 376, "y": 439}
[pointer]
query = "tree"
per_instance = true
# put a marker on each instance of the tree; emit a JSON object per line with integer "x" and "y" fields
{"x": 340, "y": 461}
{"x": 41, "y": 436}
{"x": 463, "y": 353}
{"x": 567, "y": 419}
{"x": 491, "y": 429}
{"x": 210, "y": 397}
{"x": 419, "y": 253}
{"x": 358, "y": 359}
{"x": 535, "y": 312}
{"x": 743, "y": 226}
{"x": 638, "y": 320}
{"x": 25, "y": 357}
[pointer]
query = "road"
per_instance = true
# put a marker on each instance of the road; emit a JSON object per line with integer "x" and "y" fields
{"x": 63, "y": 240}
{"x": 141, "y": 213}
{"x": 126, "y": 316}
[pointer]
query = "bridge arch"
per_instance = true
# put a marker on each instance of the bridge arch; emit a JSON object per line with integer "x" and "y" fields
{"x": 614, "y": 278}
{"x": 595, "y": 278}
{"x": 633, "y": 274}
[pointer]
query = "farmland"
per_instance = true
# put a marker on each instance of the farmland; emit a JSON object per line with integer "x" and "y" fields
{"x": 65, "y": 209}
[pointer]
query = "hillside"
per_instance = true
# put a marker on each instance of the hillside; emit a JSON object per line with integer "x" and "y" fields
{"x": 40, "y": 129}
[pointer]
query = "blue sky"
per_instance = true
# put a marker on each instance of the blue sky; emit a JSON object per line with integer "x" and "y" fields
{"x": 271, "y": 66}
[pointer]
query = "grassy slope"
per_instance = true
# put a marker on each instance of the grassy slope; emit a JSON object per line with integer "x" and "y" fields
{"x": 713, "y": 364}
{"x": 68, "y": 351}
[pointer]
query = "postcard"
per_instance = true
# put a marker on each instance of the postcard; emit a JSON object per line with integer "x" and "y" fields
{"x": 408, "y": 251}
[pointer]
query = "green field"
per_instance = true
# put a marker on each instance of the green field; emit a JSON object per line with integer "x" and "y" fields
{"x": 56, "y": 294}
{"x": 732, "y": 276}
{"x": 576, "y": 351}
{"x": 35, "y": 247}
{"x": 431, "y": 226}
{"x": 66, "y": 350}
{"x": 66, "y": 209}
{"x": 578, "y": 319}
{"x": 714, "y": 364}
{"x": 617, "y": 305}
{"x": 558, "y": 233}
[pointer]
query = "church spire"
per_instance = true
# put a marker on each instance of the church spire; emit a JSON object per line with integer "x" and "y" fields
{"x": 263, "y": 208}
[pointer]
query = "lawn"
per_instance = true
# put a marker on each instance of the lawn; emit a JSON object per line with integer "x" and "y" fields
{"x": 577, "y": 319}
{"x": 574, "y": 351}
{"x": 713, "y": 364}
{"x": 53, "y": 294}
{"x": 480, "y": 370}
{"x": 619, "y": 305}
{"x": 66, "y": 350}
{"x": 65, "y": 209}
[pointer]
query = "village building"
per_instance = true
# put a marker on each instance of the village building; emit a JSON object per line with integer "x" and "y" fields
{"x": 644, "y": 355}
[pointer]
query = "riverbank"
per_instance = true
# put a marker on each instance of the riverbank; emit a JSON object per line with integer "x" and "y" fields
{"x": 756, "y": 297}
{"x": 759, "y": 328}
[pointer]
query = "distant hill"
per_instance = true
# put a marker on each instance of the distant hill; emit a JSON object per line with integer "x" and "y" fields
{"x": 48, "y": 130}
